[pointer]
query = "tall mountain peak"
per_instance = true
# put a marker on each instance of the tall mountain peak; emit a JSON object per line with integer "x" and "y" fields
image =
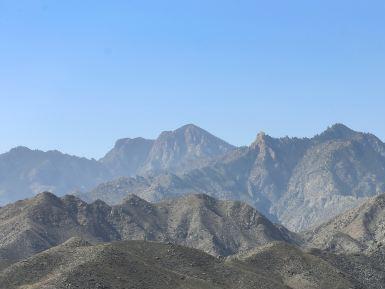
{"x": 184, "y": 148}
{"x": 177, "y": 150}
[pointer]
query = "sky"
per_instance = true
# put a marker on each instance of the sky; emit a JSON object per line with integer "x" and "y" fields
{"x": 78, "y": 75}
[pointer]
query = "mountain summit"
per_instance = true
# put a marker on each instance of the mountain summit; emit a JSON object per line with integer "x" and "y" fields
{"x": 180, "y": 150}
{"x": 183, "y": 149}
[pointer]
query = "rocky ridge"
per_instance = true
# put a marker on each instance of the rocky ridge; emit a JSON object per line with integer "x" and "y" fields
{"x": 220, "y": 228}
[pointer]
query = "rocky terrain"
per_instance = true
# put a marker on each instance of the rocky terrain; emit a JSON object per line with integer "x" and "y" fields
{"x": 297, "y": 182}
{"x": 140, "y": 264}
{"x": 365, "y": 270}
{"x": 220, "y": 228}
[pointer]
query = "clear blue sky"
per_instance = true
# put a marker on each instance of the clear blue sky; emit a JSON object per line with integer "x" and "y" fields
{"x": 77, "y": 75}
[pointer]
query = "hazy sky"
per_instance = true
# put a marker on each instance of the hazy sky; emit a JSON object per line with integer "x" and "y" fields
{"x": 77, "y": 75}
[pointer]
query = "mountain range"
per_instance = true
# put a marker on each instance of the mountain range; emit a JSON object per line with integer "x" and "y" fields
{"x": 188, "y": 210}
{"x": 25, "y": 172}
{"x": 193, "y": 241}
{"x": 298, "y": 182}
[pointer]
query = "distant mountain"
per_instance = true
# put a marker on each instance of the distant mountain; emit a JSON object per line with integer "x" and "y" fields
{"x": 198, "y": 221}
{"x": 25, "y": 172}
{"x": 150, "y": 265}
{"x": 180, "y": 150}
{"x": 298, "y": 182}
{"x": 183, "y": 149}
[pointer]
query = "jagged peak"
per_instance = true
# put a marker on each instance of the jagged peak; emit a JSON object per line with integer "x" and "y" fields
{"x": 261, "y": 136}
{"x": 261, "y": 140}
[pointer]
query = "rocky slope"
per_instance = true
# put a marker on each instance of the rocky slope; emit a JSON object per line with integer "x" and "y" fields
{"x": 294, "y": 267}
{"x": 198, "y": 221}
{"x": 365, "y": 270}
{"x": 139, "y": 264}
{"x": 298, "y": 182}
{"x": 354, "y": 242}
{"x": 358, "y": 230}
